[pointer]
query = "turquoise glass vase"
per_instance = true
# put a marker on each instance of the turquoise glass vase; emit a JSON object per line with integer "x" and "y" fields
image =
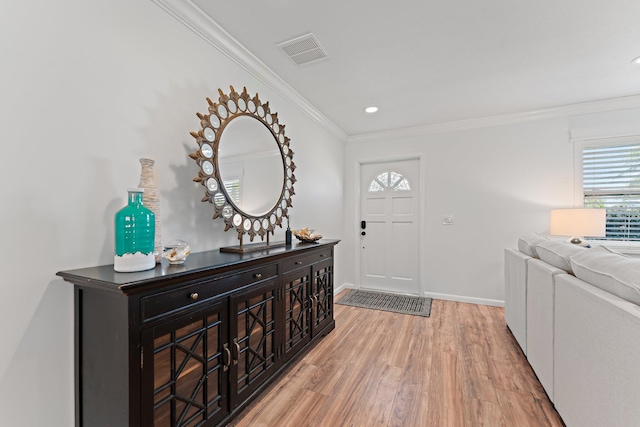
{"x": 135, "y": 228}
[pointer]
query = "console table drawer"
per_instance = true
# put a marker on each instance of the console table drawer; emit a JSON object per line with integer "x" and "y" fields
{"x": 303, "y": 261}
{"x": 166, "y": 302}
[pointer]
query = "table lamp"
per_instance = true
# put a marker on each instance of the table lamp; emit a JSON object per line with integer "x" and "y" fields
{"x": 578, "y": 222}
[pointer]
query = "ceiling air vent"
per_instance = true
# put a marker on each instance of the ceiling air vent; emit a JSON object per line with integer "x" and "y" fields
{"x": 303, "y": 49}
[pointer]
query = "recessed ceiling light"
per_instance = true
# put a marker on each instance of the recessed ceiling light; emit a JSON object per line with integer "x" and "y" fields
{"x": 371, "y": 110}
{"x": 636, "y": 61}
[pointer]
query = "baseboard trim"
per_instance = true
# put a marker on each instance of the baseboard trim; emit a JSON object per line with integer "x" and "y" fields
{"x": 460, "y": 298}
{"x": 342, "y": 287}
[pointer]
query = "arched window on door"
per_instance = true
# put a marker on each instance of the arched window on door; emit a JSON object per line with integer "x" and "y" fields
{"x": 389, "y": 181}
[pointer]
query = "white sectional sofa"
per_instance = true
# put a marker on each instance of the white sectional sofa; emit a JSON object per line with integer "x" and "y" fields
{"x": 515, "y": 295}
{"x": 580, "y": 334}
{"x": 540, "y": 320}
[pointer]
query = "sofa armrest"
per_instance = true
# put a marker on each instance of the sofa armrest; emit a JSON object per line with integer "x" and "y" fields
{"x": 596, "y": 352}
{"x": 540, "y": 320}
{"x": 515, "y": 294}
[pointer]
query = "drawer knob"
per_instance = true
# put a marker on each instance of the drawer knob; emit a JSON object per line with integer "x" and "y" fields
{"x": 194, "y": 296}
{"x": 298, "y": 262}
{"x": 258, "y": 275}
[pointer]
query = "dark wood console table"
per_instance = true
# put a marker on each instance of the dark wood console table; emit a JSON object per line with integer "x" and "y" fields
{"x": 193, "y": 344}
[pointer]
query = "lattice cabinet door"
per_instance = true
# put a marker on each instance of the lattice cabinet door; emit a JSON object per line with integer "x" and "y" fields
{"x": 297, "y": 311}
{"x": 253, "y": 339}
{"x": 322, "y": 295}
{"x": 185, "y": 365}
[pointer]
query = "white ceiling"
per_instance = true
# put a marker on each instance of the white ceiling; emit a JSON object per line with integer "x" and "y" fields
{"x": 432, "y": 62}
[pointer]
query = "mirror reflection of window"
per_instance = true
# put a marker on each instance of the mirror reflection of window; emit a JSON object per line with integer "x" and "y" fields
{"x": 234, "y": 189}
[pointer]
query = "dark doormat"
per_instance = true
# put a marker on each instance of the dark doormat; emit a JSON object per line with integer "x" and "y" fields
{"x": 405, "y": 304}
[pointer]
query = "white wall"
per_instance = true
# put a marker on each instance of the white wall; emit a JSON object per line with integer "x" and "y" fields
{"x": 498, "y": 182}
{"x": 87, "y": 88}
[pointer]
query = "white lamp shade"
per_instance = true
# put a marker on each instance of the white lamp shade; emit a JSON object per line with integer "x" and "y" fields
{"x": 578, "y": 222}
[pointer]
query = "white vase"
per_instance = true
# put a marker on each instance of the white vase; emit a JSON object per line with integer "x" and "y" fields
{"x": 151, "y": 200}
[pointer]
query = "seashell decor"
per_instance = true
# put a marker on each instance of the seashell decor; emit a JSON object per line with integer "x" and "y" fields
{"x": 307, "y": 235}
{"x": 176, "y": 251}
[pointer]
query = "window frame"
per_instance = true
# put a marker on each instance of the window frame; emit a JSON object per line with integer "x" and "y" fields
{"x": 389, "y": 187}
{"x": 582, "y": 140}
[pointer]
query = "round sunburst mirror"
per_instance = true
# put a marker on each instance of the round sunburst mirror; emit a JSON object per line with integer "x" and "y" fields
{"x": 245, "y": 164}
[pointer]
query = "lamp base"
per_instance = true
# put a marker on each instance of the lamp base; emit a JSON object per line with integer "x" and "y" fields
{"x": 579, "y": 241}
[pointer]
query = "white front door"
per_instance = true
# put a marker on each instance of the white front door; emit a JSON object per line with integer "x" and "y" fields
{"x": 390, "y": 238}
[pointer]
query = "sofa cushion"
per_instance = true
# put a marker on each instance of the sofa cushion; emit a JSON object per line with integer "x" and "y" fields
{"x": 527, "y": 244}
{"x": 609, "y": 270}
{"x": 557, "y": 253}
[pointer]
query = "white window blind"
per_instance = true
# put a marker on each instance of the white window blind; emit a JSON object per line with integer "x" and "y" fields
{"x": 233, "y": 189}
{"x": 611, "y": 180}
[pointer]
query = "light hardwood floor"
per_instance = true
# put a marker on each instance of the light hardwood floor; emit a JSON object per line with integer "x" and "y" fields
{"x": 459, "y": 367}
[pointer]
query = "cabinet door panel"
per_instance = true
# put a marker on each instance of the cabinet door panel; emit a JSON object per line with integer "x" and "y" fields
{"x": 184, "y": 374}
{"x": 322, "y": 292}
{"x": 253, "y": 343}
{"x": 297, "y": 311}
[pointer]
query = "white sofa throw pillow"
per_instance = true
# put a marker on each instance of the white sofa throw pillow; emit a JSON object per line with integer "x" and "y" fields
{"x": 527, "y": 244}
{"x": 609, "y": 270}
{"x": 557, "y": 253}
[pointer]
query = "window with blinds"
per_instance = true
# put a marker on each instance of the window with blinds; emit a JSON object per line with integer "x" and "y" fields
{"x": 233, "y": 189}
{"x": 611, "y": 180}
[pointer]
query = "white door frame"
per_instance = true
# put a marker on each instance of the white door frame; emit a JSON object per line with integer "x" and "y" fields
{"x": 422, "y": 215}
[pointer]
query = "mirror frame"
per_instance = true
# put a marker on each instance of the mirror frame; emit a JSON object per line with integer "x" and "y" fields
{"x": 219, "y": 115}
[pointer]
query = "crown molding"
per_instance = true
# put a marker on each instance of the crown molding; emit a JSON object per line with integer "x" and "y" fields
{"x": 504, "y": 119}
{"x": 194, "y": 18}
